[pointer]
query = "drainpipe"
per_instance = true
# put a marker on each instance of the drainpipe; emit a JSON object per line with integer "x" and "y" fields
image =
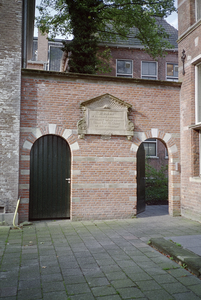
{"x": 18, "y": 202}
{"x": 24, "y": 35}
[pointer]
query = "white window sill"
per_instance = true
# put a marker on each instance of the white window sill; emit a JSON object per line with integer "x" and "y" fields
{"x": 195, "y": 126}
{"x": 195, "y": 179}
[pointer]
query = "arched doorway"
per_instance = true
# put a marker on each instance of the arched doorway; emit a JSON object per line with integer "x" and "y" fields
{"x": 152, "y": 165}
{"x": 50, "y": 165}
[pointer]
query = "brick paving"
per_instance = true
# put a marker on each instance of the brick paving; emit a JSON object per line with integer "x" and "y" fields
{"x": 102, "y": 260}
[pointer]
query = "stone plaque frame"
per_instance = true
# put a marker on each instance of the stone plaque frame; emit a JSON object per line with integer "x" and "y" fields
{"x": 105, "y": 115}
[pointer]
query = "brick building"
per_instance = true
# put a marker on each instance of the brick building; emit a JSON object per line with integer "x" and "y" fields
{"x": 100, "y": 180}
{"x": 189, "y": 13}
{"x": 128, "y": 58}
{"x": 103, "y": 169}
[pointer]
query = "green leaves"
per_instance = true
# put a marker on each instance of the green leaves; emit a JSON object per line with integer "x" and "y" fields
{"x": 95, "y": 21}
{"x": 156, "y": 183}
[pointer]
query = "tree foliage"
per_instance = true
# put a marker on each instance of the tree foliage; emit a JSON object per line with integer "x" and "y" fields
{"x": 94, "y": 21}
{"x": 156, "y": 184}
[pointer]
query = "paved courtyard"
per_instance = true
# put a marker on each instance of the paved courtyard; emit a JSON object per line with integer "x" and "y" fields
{"x": 102, "y": 260}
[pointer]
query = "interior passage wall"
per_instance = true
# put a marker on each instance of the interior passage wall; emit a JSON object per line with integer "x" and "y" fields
{"x": 103, "y": 180}
{"x": 10, "y": 74}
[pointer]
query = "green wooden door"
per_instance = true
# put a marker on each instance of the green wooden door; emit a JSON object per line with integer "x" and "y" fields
{"x": 141, "y": 179}
{"x": 50, "y": 164}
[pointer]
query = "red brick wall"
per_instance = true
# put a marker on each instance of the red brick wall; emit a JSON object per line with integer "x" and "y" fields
{"x": 139, "y": 55}
{"x": 190, "y": 179}
{"x": 186, "y": 15}
{"x": 103, "y": 182}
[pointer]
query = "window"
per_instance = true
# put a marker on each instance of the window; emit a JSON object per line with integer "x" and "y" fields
{"x": 198, "y": 9}
{"x": 124, "y": 68}
{"x": 55, "y": 56}
{"x": 198, "y": 94}
{"x": 166, "y": 153}
{"x": 149, "y": 70}
{"x": 199, "y": 153}
{"x": 150, "y": 147}
{"x": 172, "y": 72}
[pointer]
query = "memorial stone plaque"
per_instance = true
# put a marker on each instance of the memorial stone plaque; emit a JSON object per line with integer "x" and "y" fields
{"x": 105, "y": 115}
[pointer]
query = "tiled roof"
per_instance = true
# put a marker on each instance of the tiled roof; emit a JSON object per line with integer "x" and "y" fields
{"x": 132, "y": 41}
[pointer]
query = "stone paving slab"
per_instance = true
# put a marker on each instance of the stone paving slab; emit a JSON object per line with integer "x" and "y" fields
{"x": 192, "y": 243}
{"x": 96, "y": 260}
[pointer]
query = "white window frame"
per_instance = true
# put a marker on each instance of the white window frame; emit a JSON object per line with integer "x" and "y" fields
{"x": 166, "y": 153}
{"x": 196, "y": 95}
{"x": 153, "y": 142}
{"x": 152, "y": 77}
{"x": 123, "y": 74}
{"x": 200, "y": 153}
{"x": 171, "y": 78}
{"x": 196, "y": 10}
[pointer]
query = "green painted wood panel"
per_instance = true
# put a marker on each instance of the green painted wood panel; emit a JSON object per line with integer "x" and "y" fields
{"x": 50, "y": 165}
{"x": 141, "y": 179}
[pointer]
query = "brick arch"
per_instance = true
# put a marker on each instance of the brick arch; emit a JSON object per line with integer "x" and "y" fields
{"x": 33, "y": 134}
{"x": 38, "y": 132}
{"x": 167, "y": 138}
{"x": 173, "y": 164}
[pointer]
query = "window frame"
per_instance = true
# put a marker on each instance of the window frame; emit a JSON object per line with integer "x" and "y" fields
{"x": 154, "y": 141}
{"x": 150, "y": 76}
{"x": 199, "y": 153}
{"x": 123, "y": 74}
{"x": 196, "y": 11}
{"x": 49, "y": 55}
{"x": 166, "y": 153}
{"x": 196, "y": 94}
{"x": 171, "y": 78}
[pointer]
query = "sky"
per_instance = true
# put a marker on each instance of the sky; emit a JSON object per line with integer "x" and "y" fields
{"x": 172, "y": 19}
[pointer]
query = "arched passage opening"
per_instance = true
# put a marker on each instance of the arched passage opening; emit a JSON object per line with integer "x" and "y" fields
{"x": 152, "y": 174}
{"x": 50, "y": 165}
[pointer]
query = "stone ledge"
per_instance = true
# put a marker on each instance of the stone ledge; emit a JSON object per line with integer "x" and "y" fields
{"x": 99, "y": 78}
{"x": 182, "y": 256}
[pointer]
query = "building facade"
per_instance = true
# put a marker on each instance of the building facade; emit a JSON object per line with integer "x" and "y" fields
{"x": 102, "y": 178}
{"x": 128, "y": 57}
{"x": 189, "y": 43}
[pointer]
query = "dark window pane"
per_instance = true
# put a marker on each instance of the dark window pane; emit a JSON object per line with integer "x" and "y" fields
{"x": 124, "y": 67}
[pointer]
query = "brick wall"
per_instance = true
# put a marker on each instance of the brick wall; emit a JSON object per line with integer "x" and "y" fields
{"x": 139, "y": 55}
{"x": 103, "y": 180}
{"x": 10, "y": 74}
{"x": 190, "y": 180}
{"x": 186, "y": 15}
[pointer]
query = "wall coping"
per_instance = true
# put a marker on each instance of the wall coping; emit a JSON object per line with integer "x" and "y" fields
{"x": 89, "y": 77}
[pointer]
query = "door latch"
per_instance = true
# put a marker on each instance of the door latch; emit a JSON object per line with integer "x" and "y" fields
{"x": 68, "y": 179}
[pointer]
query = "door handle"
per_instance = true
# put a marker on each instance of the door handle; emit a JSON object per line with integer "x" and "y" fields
{"x": 68, "y": 179}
